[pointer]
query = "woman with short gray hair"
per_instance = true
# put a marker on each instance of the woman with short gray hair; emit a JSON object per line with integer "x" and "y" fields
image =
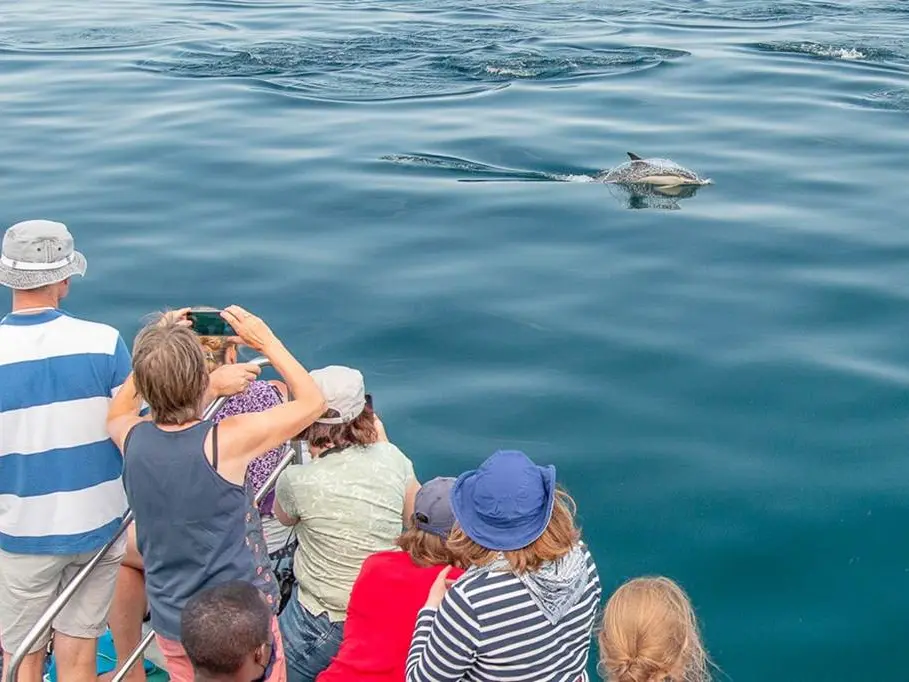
{"x": 184, "y": 476}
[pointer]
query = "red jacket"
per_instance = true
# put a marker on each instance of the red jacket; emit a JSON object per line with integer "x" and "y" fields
{"x": 381, "y": 616}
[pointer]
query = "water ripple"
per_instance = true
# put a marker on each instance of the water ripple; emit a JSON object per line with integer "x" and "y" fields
{"x": 91, "y": 39}
{"x": 746, "y": 15}
{"x": 759, "y": 11}
{"x": 112, "y": 37}
{"x": 846, "y": 51}
{"x": 891, "y": 100}
{"x": 567, "y": 63}
{"x": 418, "y": 63}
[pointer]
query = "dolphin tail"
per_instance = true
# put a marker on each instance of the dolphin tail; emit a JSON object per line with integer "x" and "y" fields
{"x": 634, "y": 157}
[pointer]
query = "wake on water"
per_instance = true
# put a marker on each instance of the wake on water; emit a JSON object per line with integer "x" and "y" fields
{"x": 485, "y": 171}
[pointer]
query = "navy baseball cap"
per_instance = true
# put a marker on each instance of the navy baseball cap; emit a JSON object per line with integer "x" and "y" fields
{"x": 432, "y": 507}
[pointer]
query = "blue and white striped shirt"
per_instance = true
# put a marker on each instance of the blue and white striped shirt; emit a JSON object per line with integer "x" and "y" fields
{"x": 60, "y": 474}
{"x": 489, "y": 629}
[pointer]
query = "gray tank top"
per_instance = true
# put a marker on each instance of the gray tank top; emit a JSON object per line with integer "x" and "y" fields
{"x": 190, "y": 522}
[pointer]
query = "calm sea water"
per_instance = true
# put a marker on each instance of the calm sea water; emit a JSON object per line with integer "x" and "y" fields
{"x": 721, "y": 380}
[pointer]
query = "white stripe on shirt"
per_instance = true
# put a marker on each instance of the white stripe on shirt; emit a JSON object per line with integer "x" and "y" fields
{"x": 66, "y": 513}
{"x": 65, "y": 424}
{"x": 62, "y": 336}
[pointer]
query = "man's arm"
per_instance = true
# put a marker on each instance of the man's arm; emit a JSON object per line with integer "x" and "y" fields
{"x": 123, "y": 412}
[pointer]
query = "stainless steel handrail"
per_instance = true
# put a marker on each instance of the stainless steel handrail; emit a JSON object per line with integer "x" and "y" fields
{"x": 63, "y": 598}
{"x": 289, "y": 455}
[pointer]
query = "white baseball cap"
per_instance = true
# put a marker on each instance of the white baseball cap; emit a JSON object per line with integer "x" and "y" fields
{"x": 344, "y": 392}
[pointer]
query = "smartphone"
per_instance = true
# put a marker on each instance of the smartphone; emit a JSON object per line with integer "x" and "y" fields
{"x": 369, "y": 400}
{"x": 208, "y": 322}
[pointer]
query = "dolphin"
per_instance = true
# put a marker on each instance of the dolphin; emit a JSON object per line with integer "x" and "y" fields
{"x": 638, "y": 183}
{"x": 657, "y": 173}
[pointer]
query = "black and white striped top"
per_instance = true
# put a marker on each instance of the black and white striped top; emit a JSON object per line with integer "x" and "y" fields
{"x": 488, "y": 629}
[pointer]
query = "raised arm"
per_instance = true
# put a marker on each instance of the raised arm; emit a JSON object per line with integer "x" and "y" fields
{"x": 243, "y": 437}
{"x": 126, "y": 405}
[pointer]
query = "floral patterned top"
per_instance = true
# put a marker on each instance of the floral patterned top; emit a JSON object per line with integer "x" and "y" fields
{"x": 258, "y": 397}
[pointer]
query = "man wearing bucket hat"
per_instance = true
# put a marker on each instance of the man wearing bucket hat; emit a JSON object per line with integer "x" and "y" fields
{"x": 525, "y": 609}
{"x": 59, "y": 471}
{"x": 390, "y": 590}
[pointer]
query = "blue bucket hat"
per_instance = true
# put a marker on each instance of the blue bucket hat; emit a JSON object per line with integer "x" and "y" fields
{"x": 506, "y": 504}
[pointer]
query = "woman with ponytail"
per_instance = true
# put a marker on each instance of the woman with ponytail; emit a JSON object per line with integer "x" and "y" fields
{"x": 650, "y": 634}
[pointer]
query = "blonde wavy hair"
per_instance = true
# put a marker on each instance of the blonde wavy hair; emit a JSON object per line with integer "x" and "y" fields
{"x": 215, "y": 350}
{"x": 650, "y": 634}
{"x": 560, "y": 536}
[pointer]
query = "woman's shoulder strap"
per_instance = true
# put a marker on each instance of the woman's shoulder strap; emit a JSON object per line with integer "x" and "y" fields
{"x": 129, "y": 435}
{"x": 214, "y": 446}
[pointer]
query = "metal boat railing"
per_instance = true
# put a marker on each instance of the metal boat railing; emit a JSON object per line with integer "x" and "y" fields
{"x": 63, "y": 598}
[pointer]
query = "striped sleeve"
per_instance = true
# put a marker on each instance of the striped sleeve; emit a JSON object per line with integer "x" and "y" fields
{"x": 445, "y": 642}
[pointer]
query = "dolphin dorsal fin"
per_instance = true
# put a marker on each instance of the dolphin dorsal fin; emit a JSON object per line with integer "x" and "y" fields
{"x": 634, "y": 157}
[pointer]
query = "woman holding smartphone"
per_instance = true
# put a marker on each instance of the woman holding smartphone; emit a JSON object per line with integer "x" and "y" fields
{"x": 184, "y": 477}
